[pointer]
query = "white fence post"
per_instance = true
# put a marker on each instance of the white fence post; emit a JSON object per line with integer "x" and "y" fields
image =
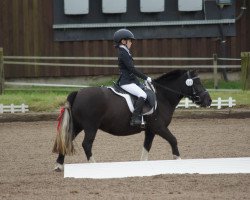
{"x": 12, "y": 108}
{"x": 219, "y": 103}
{"x": 186, "y": 102}
{"x": 23, "y": 108}
{"x": 230, "y": 102}
{"x": 1, "y": 108}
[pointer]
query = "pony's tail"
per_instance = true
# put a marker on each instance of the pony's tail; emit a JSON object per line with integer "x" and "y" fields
{"x": 64, "y": 138}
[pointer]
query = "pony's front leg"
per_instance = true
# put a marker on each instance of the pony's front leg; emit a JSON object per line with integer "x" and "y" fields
{"x": 149, "y": 136}
{"x": 59, "y": 163}
{"x": 167, "y": 135}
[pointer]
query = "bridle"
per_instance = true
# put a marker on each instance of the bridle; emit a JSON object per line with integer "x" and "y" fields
{"x": 189, "y": 82}
{"x": 195, "y": 98}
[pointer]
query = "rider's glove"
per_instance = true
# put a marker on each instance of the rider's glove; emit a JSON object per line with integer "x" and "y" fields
{"x": 149, "y": 80}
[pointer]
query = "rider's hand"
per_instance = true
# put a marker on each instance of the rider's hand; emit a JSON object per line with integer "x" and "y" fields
{"x": 149, "y": 80}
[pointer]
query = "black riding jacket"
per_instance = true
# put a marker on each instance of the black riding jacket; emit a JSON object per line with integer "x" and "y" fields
{"x": 128, "y": 73}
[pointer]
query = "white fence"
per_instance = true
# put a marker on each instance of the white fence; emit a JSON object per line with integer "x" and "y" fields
{"x": 219, "y": 103}
{"x": 14, "y": 108}
{"x": 186, "y": 103}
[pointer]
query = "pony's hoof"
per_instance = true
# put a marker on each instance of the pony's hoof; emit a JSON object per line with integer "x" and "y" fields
{"x": 58, "y": 168}
{"x": 176, "y": 157}
{"x": 92, "y": 160}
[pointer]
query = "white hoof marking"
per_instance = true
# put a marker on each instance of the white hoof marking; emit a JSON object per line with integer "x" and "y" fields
{"x": 176, "y": 157}
{"x": 144, "y": 155}
{"x": 58, "y": 168}
{"x": 92, "y": 160}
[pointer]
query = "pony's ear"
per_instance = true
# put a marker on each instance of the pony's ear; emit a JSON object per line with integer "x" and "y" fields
{"x": 194, "y": 72}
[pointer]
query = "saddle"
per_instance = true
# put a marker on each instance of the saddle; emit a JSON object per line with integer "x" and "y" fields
{"x": 150, "y": 103}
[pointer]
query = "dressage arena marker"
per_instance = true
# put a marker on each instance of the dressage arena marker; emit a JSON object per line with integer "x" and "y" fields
{"x": 151, "y": 168}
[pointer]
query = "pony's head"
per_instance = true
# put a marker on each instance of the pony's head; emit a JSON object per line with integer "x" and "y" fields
{"x": 194, "y": 90}
{"x": 185, "y": 83}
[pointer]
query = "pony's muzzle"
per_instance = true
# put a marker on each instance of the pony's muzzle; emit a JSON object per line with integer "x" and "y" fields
{"x": 205, "y": 99}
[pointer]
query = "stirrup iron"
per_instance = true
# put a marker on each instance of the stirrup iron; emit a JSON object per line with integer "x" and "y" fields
{"x": 142, "y": 122}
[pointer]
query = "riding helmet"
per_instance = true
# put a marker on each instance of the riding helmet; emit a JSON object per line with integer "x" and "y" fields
{"x": 123, "y": 34}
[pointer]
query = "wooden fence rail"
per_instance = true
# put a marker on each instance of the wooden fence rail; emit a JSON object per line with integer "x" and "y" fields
{"x": 245, "y": 70}
{"x": 1, "y": 71}
{"x": 39, "y": 61}
{"x": 115, "y": 58}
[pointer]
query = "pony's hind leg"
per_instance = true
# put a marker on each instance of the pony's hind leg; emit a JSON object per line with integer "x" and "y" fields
{"x": 59, "y": 163}
{"x": 149, "y": 136}
{"x": 88, "y": 143}
{"x": 60, "y": 159}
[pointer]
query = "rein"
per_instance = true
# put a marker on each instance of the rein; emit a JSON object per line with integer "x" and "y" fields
{"x": 171, "y": 90}
{"x": 194, "y": 97}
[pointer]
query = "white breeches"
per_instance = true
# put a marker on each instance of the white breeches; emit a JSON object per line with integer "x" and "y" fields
{"x": 134, "y": 90}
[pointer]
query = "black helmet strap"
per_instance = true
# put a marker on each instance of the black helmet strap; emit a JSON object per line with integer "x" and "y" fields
{"x": 126, "y": 41}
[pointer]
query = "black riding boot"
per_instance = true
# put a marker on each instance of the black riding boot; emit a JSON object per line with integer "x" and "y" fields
{"x": 136, "y": 116}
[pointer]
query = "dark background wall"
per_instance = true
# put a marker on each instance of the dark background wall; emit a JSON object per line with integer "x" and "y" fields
{"x": 26, "y": 30}
{"x": 112, "y": 22}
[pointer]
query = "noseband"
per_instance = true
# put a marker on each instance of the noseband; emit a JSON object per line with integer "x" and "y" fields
{"x": 195, "y": 98}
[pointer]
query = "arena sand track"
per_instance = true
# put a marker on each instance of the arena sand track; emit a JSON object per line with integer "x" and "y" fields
{"x": 26, "y": 163}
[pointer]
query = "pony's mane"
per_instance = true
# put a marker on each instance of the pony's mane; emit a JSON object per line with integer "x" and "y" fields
{"x": 171, "y": 75}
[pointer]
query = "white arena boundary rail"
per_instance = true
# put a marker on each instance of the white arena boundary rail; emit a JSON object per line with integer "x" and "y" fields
{"x": 14, "y": 108}
{"x": 151, "y": 168}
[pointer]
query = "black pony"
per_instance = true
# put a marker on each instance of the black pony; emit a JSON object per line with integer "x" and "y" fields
{"x": 96, "y": 108}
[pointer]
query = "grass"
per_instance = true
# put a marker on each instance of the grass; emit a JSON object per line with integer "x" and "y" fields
{"x": 222, "y": 84}
{"x": 242, "y": 97}
{"x": 37, "y": 101}
{"x": 44, "y": 99}
{"x": 234, "y": 90}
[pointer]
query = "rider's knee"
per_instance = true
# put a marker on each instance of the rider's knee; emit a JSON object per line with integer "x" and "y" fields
{"x": 143, "y": 95}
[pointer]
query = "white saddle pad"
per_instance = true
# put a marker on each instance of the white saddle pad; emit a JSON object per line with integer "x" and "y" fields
{"x": 129, "y": 102}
